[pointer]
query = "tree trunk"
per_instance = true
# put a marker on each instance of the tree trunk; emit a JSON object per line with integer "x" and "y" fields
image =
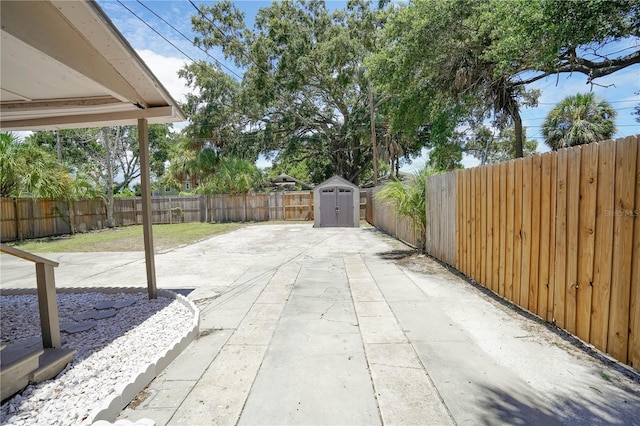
{"x": 374, "y": 144}
{"x": 519, "y": 151}
{"x": 58, "y": 146}
{"x": 109, "y": 164}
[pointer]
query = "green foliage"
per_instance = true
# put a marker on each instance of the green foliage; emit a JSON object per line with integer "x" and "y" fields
{"x": 84, "y": 188}
{"x": 77, "y": 146}
{"x": 304, "y": 94}
{"x": 296, "y": 169}
{"x": 10, "y": 164}
{"x": 472, "y": 59}
{"x": 434, "y": 64}
{"x": 233, "y": 176}
{"x": 578, "y": 120}
{"x": 409, "y": 199}
{"x": 126, "y": 192}
{"x": 491, "y": 146}
{"x": 84, "y": 151}
{"x": 545, "y": 35}
{"x": 27, "y": 169}
{"x": 384, "y": 170}
{"x": 215, "y": 108}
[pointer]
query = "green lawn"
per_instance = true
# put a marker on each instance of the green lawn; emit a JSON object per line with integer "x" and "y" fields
{"x": 127, "y": 238}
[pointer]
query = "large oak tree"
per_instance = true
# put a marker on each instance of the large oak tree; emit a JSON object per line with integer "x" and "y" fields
{"x": 304, "y": 94}
{"x": 470, "y": 58}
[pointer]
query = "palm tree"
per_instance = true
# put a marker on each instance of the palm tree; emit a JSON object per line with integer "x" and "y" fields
{"x": 578, "y": 120}
{"x": 233, "y": 176}
{"x": 10, "y": 164}
{"x": 409, "y": 200}
{"x": 28, "y": 168}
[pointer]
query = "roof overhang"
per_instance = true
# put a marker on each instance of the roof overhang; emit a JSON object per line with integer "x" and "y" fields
{"x": 65, "y": 65}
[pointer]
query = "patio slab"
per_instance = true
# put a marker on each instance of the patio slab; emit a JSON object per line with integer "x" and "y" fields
{"x": 319, "y": 326}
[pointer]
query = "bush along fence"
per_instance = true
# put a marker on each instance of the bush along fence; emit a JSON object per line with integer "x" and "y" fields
{"x": 23, "y": 218}
{"x": 557, "y": 234}
{"x": 383, "y": 216}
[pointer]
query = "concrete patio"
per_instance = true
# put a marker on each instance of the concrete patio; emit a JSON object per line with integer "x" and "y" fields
{"x": 329, "y": 326}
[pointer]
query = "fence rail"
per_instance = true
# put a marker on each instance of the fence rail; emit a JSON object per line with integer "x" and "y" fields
{"x": 22, "y": 218}
{"x": 557, "y": 234}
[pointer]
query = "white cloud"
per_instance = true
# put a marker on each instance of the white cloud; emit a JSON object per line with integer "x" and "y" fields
{"x": 166, "y": 69}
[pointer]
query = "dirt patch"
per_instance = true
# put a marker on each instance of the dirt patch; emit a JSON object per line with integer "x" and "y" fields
{"x": 140, "y": 398}
{"x": 397, "y": 254}
{"x": 427, "y": 265}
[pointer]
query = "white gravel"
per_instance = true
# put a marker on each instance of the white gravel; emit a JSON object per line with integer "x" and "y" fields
{"x": 113, "y": 353}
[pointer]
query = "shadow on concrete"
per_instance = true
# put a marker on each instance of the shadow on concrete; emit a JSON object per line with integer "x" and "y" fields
{"x": 594, "y": 407}
{"x": 396, "y": 254}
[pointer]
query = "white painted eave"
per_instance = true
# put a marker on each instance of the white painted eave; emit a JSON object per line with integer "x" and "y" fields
{"x": 64, "y": 64}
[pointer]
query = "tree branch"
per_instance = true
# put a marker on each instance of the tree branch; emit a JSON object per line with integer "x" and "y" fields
{"x": 589, "y": 68}
{"x": 599, "y": 69}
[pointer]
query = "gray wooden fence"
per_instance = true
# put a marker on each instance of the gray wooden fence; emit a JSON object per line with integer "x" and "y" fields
{"x": 24, "y": 218}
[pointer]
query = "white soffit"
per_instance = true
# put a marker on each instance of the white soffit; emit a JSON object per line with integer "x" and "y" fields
{"x": 64, "y": 64}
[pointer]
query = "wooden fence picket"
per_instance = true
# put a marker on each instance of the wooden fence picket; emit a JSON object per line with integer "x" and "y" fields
{"x": 495, "y": 235}
{"x": 488, "y": 282}
{"x": 546, "y": 219}
{"x": 573, "y": 212}
{"x": 586, "y": 238}
{"x": 477, "y": 221}
{"x": 510, "y": 220}
{"x": 527, "y": 193}
{"x": 624, "y": 206}
{"x": 634, "y": 318}
{"x": 482, "y": 236}
{"x": 517, "y": 230}
{"x": 603, "y": 246}
{"x": 503, "y": 228}
{"x": 560, "y": 274}
{"x": 534, "y": 260}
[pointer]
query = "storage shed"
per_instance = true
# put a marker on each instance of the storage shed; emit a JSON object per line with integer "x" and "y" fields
{"x": 336, "y": 203}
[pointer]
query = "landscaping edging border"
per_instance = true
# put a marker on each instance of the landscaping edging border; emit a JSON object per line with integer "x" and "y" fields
{"x": 126, "y": 392}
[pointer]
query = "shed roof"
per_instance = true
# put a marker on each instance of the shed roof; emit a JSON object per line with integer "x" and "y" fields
{"x": 65, "y": 65}
{"x": 334, "y": 180}
{"x": 284, "y": 179}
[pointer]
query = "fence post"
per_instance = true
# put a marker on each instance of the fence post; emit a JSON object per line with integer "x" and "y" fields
{"x": 202, "y": 208}
{"x": 135, "y": 210}
{"x": 17, "y": 219}
{"x": 244, "y": 197}
{"x": 72, "y": 217}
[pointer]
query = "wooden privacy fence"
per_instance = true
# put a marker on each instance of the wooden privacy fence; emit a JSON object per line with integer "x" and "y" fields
{"x": 557, "y": 234}
{"x": 383, "y": 216}
{"x": 23, "y": 218}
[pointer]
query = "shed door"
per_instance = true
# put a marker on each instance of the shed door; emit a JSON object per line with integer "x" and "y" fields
{"x": 336, "y": 206}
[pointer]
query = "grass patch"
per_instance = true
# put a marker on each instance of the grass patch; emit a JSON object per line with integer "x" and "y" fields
{"x": 127, "y": 238}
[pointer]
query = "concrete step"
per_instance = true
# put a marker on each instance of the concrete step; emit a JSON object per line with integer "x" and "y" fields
{"x": 16, "y": 365}
{"x": 26, "y": 362}
{"x": 52, "y": 362}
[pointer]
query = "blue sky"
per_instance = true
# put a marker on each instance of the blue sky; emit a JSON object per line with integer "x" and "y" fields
{"x": 165, "y": 60}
